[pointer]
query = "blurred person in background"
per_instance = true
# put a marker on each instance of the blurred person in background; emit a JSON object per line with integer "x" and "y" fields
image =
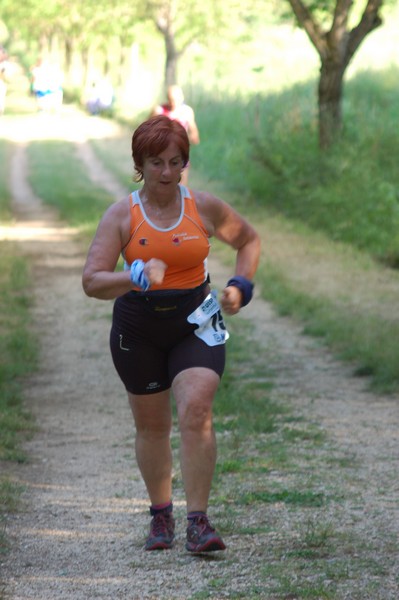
{"x": 175, "y": 108}
{"x": 47, "y": 85}
{"x": 4, "y": 68}
{"x": 3, "y": 91}
{"x": 101, "y": 97}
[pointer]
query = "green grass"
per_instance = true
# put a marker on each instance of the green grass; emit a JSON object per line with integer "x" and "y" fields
{"x": 370, "y": 342}
{"x": 17, "y": 343}
{"x": 18, "y": 353}
{"x": 266, "y": 148}
{"x": 18, "y": 350}
{"x": 5, "y": 200}
{"x": 60, "y": 179}
{"x": 231, "y": 412}
{"x": 121, "y": 166}
{"x": 10, "y": 494}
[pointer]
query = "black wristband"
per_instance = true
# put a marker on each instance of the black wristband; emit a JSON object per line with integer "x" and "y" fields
{"x": 245, "y": 286}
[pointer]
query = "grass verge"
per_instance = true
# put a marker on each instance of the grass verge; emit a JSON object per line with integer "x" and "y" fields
{"x": 59, "y": 178}
{"x": 369, "y": 341}
{"x": 18, "y": 353}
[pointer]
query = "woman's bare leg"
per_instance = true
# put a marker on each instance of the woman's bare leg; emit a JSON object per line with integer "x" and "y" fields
{"x": 153, "y": 419}
{"x": 194, "y": 390}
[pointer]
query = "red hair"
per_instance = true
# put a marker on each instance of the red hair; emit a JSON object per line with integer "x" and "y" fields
{"x": 153, "y": 137}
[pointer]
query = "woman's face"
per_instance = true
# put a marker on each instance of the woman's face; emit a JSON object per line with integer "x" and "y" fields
{"x": 163, "y": 171}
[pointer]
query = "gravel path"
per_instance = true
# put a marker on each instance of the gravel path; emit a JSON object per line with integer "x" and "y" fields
{"x": 85, "y": 514}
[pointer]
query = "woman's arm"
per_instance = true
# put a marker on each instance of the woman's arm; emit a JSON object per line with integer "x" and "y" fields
{"x": 99, "y": 277}
{"x": 192, "y": 132}
{"x": 222, "y": 221}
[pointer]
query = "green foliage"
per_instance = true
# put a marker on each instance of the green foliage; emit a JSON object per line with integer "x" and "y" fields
{"x": 84, "y": 22}
{"x": 350, "y": 193}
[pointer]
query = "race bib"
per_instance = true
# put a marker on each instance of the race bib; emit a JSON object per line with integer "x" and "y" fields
{"x": 208, "y": 318}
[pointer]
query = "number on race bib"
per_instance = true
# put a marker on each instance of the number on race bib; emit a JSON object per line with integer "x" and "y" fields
{"x": 211, "y": 328}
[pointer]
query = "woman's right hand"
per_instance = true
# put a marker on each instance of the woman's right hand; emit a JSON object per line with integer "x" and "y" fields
{"x": 154, "y": 270}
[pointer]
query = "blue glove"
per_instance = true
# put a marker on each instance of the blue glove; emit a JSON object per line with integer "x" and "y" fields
{"x": 137, "y": 275}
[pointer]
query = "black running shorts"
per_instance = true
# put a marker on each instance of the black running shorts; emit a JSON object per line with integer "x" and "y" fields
{"x": 152, "y": 341}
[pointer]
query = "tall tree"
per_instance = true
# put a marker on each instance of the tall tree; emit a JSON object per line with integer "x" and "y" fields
{"x": 181, "y": 23}
{"x": 336, "y": 47}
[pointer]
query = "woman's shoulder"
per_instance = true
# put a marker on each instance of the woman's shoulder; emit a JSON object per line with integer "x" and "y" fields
{"x": 206, "y": 201}
{"x": 210, "y": 208}
{"x": 116, "y": 220}
{"x": 118, "y": 210}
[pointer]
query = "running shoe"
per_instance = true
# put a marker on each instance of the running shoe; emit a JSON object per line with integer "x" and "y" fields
{"x": 202, "y": 537}
{"x": 162, "y": 531}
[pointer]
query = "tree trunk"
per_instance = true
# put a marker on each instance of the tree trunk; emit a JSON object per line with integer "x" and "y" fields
{"x": 171, "y": 61}
{"x": 68, "y": 50}
{"x": 330, "y": 102}
{"x": 336, "y": 48}
{"x": 164, "y": 23}
{"x": 85, "y": 56}
{"x": 170, "y": 71}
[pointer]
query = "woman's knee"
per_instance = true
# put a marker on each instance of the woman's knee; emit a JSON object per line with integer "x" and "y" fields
{"x": 152, "y": 414}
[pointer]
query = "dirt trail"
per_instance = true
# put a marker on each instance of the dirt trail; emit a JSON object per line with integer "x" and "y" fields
{"x": 86, "y": 513}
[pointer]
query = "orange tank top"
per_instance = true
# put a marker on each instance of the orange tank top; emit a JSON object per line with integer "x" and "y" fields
{"x": 184, "y": 246}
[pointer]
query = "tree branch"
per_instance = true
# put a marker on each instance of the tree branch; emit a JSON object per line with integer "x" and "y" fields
{"x": 315, "y": 33}
{"x": 370, "y": 20}
{"x": 340, "y": 19}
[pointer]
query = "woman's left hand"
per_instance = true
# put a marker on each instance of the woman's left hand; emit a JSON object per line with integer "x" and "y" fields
{"x": 231, "y": 300}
